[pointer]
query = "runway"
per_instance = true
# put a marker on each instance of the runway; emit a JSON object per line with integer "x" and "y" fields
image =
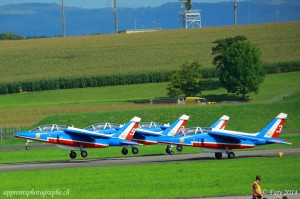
{"x": 139, "y": 160}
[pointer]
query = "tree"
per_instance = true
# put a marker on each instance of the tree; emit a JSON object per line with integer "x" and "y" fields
{"x": 221, "y": 47}
{"x": 241, "y": 71}
{"x": 10, "y": 36}
{"x": 186, "y": 81}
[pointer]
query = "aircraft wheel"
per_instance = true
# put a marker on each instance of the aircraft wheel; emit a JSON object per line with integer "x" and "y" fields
{"x": 73, "y": 155}
{"x": 218, "y": 155}
{"x": 231, "y": 155}
{"x": 27, "y": 147}
{"x": 135, "y": 150}
{"x": 83, "y": 154}
{"x": 124, "y": 151}
{"x": 168, "y": 150}
{"x": 179, "y": 148}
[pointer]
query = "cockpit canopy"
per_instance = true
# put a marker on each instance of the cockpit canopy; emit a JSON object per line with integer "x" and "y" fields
{"x": 144, "y": 125}
{"x": 102, "y": 126}
{"x": 193, "y": 131}
{"x": 48, "y": 127}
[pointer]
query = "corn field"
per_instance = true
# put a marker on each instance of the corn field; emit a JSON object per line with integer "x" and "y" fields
{"x": 102, "y": 60}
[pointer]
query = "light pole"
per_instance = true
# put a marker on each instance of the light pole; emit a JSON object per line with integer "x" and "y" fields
{"x": 116, "y": 16}
{"x": 235, "y": 9}
{"x": 63, "y": 18}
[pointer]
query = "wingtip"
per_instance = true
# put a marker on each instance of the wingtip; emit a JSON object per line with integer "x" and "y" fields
{"x": 225, "y": 117}
{"x": 282, "y": 116}
{"x": 135, "y": 119}
{"x": 184, "y": 117}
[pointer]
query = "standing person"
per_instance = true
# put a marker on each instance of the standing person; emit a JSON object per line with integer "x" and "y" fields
{"x": 256, "y": 189}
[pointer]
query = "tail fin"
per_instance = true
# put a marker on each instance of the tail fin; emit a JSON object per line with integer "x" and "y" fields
{"x": 177, "y": 126}
{"x": 273, "y": 129}
{"x": 127, "y": 131}
{"x": 221, "y": 123}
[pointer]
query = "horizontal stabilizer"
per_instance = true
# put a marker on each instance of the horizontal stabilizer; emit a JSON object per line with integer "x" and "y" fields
{"x": 277, "y": 141}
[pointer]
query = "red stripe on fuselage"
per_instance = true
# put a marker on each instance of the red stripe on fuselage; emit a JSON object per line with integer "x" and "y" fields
{"x": 221, "y": 145}
{"x": 76, "y": 143}
{"x": 145, "y": 142}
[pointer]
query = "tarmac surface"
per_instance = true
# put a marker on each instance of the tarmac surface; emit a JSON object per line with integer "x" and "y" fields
{"x": 139, "y": 160}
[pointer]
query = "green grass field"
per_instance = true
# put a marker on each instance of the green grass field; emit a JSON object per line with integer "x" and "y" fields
{"x": 27, "y": 109}
{"x": 136, "y": 53}
{"x": 171, "y": 180}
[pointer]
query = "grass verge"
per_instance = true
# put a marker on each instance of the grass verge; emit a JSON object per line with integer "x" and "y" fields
{"x": 171, "y": 180}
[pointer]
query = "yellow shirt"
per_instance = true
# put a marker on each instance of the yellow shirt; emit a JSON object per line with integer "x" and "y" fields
{"x": 256, "y": 189}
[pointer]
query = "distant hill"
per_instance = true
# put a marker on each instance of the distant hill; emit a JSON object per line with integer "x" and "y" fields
{"x": 36, "y": 19}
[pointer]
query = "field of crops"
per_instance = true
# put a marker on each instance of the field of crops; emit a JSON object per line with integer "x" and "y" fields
{"x": 39, "y": 59}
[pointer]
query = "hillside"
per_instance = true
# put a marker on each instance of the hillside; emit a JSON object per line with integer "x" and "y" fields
{"x": 85, "y": 56}
{"x": 278, "y": 93}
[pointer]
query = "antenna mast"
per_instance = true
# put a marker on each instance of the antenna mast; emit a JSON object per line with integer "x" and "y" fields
{"x": 116, "y": 16}
{"x": 63, "y": 18}
{"x": 235, "y": 9}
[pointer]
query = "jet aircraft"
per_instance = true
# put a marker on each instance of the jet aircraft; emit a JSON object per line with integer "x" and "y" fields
{"x": 219, "y": 124}
{"x": 78, "y": 139}
{"x": 223, "y": 141}
{"x": 147, "y": 133}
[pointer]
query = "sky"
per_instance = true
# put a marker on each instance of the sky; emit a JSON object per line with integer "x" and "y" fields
{"x": 104, "y": 3}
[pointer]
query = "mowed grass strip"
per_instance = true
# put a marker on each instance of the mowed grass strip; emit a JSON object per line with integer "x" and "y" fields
{"x": 27, "y": 109}
{"x": 98, "y": 55}
{"x": 171, "y": 180}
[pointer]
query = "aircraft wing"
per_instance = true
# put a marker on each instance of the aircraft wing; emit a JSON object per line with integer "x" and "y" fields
{"x": 236, "y": 136}
{"x": 246, "y": 137}
{"x": 147, "y": 132}
{"x": 128, "y": 143}
{"x": 77, "y": 131}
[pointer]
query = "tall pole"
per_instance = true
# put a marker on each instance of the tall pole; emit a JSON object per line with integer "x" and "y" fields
{"x": 235, "y": 8}
{"x": 116, "y": 16}
{"x": 63, "y": 18}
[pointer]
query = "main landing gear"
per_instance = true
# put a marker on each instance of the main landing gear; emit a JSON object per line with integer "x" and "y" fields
{"x": 229, "y": 153}
{"x": 169, "y": 150}
{"x": 179, "y": 148}
{"x": 134, "y": 150}
{"x": 83, "y": 153}
{"x": 73, "y": 154}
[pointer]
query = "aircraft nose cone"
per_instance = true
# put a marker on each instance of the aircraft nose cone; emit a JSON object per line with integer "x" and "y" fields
{"x": 25, "y": 134}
